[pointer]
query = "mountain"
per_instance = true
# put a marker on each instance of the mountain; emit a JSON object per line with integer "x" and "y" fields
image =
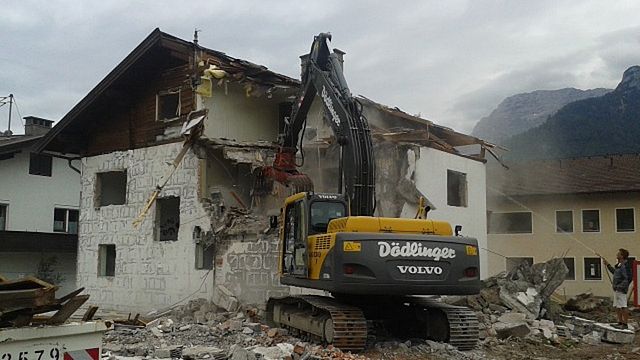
{"x": 519, "y": 113}
{"x": 604, "y": 125}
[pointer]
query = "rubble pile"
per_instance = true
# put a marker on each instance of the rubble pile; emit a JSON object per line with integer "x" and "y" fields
{"x": 526, "y": 289}
{"x": 518, "y": 304}
{"x": 512, "y": 307}
{"x": 202, "y": 330}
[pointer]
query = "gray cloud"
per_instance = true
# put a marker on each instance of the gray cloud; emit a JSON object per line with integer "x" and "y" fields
{"x": 452, "y": 61}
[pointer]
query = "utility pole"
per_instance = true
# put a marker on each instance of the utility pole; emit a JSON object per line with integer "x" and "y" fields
{"x": 10, "y": 105}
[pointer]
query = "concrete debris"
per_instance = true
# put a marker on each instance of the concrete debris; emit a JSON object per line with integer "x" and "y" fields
{"x": 203, "y": 352}
{"x": 224, "y": 298}
{"x": 506, "y": 330}
{"x": 526, "y": 289}
{"x": 584, "y": 303}
{"x": 239, "y": 335}
{"x": 239, "y": 353}
{"x": 613, "y": 335}
{"x": 280, "y": 351}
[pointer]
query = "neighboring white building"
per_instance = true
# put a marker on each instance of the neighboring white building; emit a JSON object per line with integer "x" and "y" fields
{"x": 199, "y": 234}
{"x": 39, "y": 208}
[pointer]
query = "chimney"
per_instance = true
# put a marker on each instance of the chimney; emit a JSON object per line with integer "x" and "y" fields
{"x": 36, "y": 126}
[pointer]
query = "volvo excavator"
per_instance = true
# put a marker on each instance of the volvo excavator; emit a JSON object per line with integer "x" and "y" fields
{"x": 374, "y": 268}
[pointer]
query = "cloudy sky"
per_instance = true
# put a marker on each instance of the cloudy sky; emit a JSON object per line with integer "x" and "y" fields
{"x": 449, "y": 61}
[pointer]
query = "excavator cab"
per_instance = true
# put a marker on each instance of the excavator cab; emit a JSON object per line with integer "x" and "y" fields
{"x": 306, "y": 214}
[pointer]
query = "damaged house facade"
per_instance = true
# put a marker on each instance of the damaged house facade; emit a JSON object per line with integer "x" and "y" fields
{"x": 39, "y": 206}
{"x": 173, "y": 206}
{"x": 565, "y": 208}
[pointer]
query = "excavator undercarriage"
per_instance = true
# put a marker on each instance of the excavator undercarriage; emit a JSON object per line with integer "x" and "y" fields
{"x": 348, "y": 327}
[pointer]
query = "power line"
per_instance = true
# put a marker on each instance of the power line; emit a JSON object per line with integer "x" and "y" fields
{"x": 18, "y": 110}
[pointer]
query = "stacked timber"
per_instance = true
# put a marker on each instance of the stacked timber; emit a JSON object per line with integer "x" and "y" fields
{"x": 23, "y": 301}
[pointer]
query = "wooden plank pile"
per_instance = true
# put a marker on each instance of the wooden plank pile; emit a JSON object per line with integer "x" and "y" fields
{"x": 23, "y": 300}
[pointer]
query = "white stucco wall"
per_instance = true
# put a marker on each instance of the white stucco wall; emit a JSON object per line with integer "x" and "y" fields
{"x": 148, "y": 274}
{"x": 233, "y": 115}
{"x": 431, "y": 180}
{"x": 14, "y": 265}
{"x": 32, "y": 198}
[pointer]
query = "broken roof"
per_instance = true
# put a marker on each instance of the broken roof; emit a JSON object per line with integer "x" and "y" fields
{"x": 157, "y": 46}
{"x": 161, "y": 50}
{"x": 613, "y": 173}
{"x": 425, "y": 132}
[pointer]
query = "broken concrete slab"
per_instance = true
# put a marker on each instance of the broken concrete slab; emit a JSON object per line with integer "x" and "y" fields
{"x": 512, "y": 317}
{"x": 278, "y": 352}
{"x": 203, "y": 352}
{"x": 616, "y": 336}
{"x": 225, "y": 299}
{"x": 237, "y": 352}
{"x": 506, "y": 330}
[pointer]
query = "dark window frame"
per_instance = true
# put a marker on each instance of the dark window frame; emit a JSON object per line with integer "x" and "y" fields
{"x": 584, "y": 268}
{"x": 560, "y": 231}
{"x": 4, "y": 210}
{"x": 493, "y": 231}
{"x": 161, "y": 107}
{"x": 582, "y": 213}
{"x": 99, "y": 200}
{"x": 161, "y": 205}
{"x": 66, "y": 222}
{"x": 457, "y": 183}
{"x": 107, "y": 256}
{"x": 570, "y": 269}
{"x": 633, "y": 218}
{"x": 40, "y": 164}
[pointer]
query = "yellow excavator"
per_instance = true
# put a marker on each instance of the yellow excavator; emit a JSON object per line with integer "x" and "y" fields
{"x": 374, "y": 268}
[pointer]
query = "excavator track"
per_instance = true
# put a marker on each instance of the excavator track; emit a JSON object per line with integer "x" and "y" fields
{"x": 344, "y": 325}
{"x": 462, "y": 323}
{"x": 321, "y": 318}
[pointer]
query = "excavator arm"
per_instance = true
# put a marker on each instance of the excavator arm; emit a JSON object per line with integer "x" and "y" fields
{"x": 322, "y": 75}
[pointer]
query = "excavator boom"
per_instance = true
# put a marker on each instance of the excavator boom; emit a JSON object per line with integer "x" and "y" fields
{"x": 322, "y": 75}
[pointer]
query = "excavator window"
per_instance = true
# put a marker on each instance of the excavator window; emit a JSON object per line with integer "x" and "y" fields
{"x": 324, "y": 211}
{"x": 295, "y": 239}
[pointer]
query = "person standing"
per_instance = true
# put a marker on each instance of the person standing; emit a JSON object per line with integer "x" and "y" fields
{"x": 620, "y": 282}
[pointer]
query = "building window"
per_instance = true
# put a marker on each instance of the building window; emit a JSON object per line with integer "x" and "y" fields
{"x": 510, "y": 223}
{"x": 204, "y": 256}
{"x": 592, "y": 268}
{"x": 564, "y": 221}
{"x": 571, "y": 265}
{"x": 40, "y": 164}
{"x": 590, "y": 220}
{"x": 625, "y": 220}
{"x": 167, "y": 218}
{"x": 106, "y": 260}
{"x": 111, "y": 188}
{"x": 168, "y": 105}
{"x": 3, "y": 217}
{"x": 65, "y": 220}
{"x": 456, "y": 188}
{"x": 514, "y": 262}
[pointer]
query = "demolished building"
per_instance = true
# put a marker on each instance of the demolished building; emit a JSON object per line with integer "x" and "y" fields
{"x": 208, "y": 232}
